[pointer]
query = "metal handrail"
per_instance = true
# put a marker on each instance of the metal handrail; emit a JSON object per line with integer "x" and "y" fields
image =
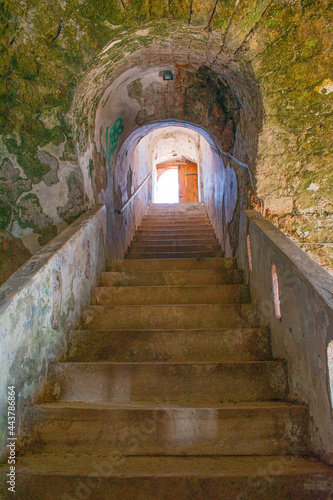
{"x": 260, "y": 198}
{"x": 133, "y": 195}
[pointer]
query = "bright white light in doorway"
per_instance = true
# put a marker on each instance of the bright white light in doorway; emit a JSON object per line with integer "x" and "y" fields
{"x": 167, "y": 187}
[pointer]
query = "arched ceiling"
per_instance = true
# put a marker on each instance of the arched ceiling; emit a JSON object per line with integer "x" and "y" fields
{"x": 60, "y": 58}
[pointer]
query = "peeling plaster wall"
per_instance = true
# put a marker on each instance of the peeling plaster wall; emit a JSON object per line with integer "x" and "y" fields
{"x": 304, "y": 331}
{"x": 41, "y": 301}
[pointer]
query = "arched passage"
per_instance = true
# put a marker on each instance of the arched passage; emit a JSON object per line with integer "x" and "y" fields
{"x": 127, "y": 105}
{"x": 221, "y": 191}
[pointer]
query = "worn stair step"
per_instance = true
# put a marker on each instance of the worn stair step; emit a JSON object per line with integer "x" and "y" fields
{"x": 176, "y": 225}
{"x": 188, "y": 247}
{"x": 188, "y": 206}
{"x": 176, "y": 215}
{"x": 174, "y": 240}
{"x": 209, "y": 264}
{"x": 243, "y": 344}
{"x": 243, "y": 429}
{"x": 199, "y": 294}
{"x": 166, "y": 240}
{"x": 173, "y": 255}
{"x": 177, "y": 207}
{"x": 184, "y": 213}
{"x": 282, "y": 477}
{"x": 170, "y": 231}
{"x": 166, "y": 382}
{"x": 156, "y": 248}
{"x": 206, "y": 316}
{"x": 166, "y": 221}
{"x": 173, "y": 232}
{"x": 151, "y": 278}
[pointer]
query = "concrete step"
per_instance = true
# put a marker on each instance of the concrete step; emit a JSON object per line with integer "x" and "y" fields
{"x": 177, "y": 207}
{"x": 282, "y": 477}
{"x": 150, "y": 214}
{"x": 181, "y": 278}
{"x": 243, "y": 344}
{"x": 199, "y": 294}
{"x": 138, "y": 247}
{"x": 181, "y": 207}
{"x": 172, "y": 255}
{"x": 201, "y": 217}
{"x": 244, "y": 429}
{"x": 152, "y": 317}
{"x": 166, "y": 220}
{"x": 166, "y": 240}
{"x": 173, "y": 232}
{"x": 162, "y": 383}
{"x": 165, "y": 226}
{"x": 173, "y": 265}
{"x": 179, "y": 239}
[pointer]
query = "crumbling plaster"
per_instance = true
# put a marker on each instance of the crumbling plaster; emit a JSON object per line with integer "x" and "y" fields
{"x": 41, "y": 302}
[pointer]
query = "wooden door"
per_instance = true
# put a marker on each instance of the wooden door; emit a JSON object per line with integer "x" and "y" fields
{"x": 188, "y": 182}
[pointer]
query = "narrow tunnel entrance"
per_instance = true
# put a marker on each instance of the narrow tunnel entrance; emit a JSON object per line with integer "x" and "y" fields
{"x": 148, "y": 157}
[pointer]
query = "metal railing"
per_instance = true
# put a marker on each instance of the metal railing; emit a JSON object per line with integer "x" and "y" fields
{"x": 260, "y": 198}
{"x": 120, "y": 211}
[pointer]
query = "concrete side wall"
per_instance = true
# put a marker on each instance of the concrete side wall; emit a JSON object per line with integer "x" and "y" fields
{"x": 132, "y": 168}
{"x": 41, "y": 301}
{"x": 305, "y": 330}
{"x": 220, "y": 194}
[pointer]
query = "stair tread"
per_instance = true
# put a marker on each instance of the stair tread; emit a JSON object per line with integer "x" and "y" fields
{"x": 167, "y": 363}
{"x": 186, "y": 263}
{"x": 108, "y": 294}
{"x": 221, "y": 271}
{"x": 174, "y": 254}
{"x": 170, "y": 405}
{"x": 156, "y": 466}
{"x": 183, "y": 287}
{"x": 166, "y": 331}
{"x": 189, "y": 259}
{"x": 204, "y": 304}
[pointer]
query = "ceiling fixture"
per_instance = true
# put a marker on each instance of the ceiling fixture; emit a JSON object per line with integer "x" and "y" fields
{"x": 167, "y": 75}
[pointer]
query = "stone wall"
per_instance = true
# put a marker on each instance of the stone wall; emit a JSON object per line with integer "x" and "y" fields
{"x": 41, "y": 301}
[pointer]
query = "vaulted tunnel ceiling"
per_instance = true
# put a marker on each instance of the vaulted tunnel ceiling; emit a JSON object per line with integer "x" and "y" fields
{"x": 256, "y": 74}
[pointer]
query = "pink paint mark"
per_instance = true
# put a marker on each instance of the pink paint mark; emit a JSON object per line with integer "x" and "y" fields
{"x": 249, "y": 254}
{"x": 276, "y": 292}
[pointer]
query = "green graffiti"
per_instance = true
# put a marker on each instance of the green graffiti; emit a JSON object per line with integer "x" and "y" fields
{"x": 112, "y": 137}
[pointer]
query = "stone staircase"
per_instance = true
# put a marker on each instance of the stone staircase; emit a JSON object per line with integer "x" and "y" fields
{"x": 169, "y": 389}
